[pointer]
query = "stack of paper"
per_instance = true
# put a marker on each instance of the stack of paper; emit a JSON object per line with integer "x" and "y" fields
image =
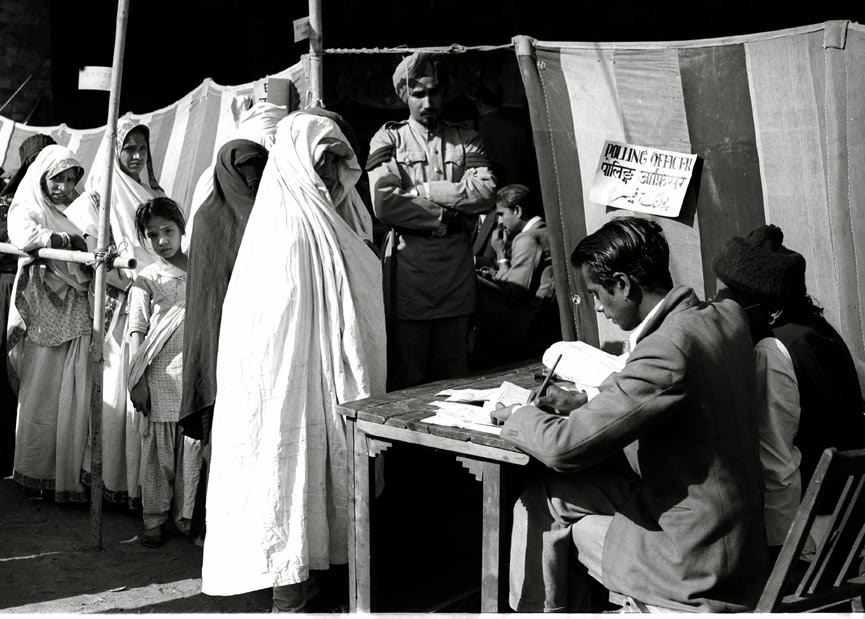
{"x": 508, "y": 394}
{"x": 468, "y": 395}
{"x": 582, "y": 364}
{"x": 457, "y": 413}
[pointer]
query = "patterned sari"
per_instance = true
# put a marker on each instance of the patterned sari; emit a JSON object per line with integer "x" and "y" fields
{"x": 49, "y": 329}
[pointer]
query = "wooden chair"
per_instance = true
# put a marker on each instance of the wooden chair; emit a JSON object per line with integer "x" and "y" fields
{"x": 834, "y": 579}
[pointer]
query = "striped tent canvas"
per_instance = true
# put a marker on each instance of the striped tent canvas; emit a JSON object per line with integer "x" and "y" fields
{"x": 185, "y": 137}
{"x": 777, "y": 121}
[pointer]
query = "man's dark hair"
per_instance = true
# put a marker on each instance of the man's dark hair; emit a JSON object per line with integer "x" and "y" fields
{"x": 630, "y": 245}
{"x": 512, "y": 195}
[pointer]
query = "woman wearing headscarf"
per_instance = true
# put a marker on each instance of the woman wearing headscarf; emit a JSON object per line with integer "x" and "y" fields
{"x": 133, "y": 183}
{"x": 49, "y": 331}
{"x": 277, "y": 502}
{"x": 220, "y": 223}
{"x": 27, "y": 152}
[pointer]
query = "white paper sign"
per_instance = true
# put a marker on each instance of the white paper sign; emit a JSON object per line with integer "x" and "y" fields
{"x": 301, "y": 29}
{"x": 641, "y": 178}
{"x": 94, "y": 78}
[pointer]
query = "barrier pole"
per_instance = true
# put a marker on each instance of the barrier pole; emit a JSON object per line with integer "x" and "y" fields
{"x": 98, "y": 337}
{"x": 67, "y": 255}
{"x": 316, "y": 68}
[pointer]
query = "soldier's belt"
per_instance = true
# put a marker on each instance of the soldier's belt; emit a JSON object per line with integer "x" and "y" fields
{"x": 449, "y": 228}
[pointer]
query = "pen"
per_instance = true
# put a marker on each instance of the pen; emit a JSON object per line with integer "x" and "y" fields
{"x": 547, "y": 378}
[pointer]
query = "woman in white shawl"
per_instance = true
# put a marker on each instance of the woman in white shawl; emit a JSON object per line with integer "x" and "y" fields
{"x": 277, "y": 503}
{"x": 49, "y": 331}
{"x": 133, "y": 183}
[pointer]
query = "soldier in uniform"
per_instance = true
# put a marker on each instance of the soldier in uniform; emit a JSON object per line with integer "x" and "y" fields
{"x": 429, "y": 179}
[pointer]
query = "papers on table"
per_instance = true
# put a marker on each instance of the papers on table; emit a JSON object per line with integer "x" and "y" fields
{"x": 582, "y": 363}
{"x": 458, "y": 415}
{"x": 508, "y": 394}
{"x": 468, "y": 395}
{"x": 456, "y": 412}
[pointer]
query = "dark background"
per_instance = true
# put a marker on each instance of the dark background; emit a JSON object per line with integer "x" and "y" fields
{"x": 172, "y": 46}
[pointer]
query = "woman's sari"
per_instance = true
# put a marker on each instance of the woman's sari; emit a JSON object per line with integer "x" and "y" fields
{"x": 49, "y": 329}
{"x": 121, "y": 451}
{"x": 277, "y": 502}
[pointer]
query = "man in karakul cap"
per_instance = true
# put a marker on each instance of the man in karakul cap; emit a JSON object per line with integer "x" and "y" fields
{"x": 808, "y": 385}
{"x": 429, "y": 179}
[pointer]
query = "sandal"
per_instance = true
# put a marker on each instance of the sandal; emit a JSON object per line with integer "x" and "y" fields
{"x": 149, "y": 540}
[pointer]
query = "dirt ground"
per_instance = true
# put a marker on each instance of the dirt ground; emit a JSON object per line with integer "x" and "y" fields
{"x": 49, "y": 564}
{"x": 429, "y": 554}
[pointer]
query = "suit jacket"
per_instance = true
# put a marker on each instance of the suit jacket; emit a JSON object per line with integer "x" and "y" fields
{"x": 529, "y": 280}
{"x": 684, "y": 408}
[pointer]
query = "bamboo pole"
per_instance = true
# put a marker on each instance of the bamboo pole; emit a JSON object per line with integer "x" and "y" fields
{"x": 316, "y": 70}
{"x": 96, "y": 347}
{"x": 66, "y": 255}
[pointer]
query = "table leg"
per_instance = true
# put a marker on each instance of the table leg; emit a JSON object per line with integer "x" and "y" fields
{"x": 350, "y": 430}
{"x": 359, "y": 527}
{"x": 493, "y": 562}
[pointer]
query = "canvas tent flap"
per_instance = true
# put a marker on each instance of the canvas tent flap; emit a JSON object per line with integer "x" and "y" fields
{"x": 777, "y": 121}
{"x": 185, "y": 136}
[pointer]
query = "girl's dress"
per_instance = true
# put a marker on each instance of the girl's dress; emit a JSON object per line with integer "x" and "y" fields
{"x": 170, "y": 461}
{"x": 49, "y": 331}
{"x": 121, "y": 444}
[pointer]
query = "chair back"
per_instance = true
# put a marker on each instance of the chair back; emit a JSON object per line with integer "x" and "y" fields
{"x": 835, "y": 575}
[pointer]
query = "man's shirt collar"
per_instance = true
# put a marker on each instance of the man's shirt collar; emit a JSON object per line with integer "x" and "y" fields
{"x": 635, "y": 334}
{"x": 422, "y": 130}
{"x": 532, "y": 223}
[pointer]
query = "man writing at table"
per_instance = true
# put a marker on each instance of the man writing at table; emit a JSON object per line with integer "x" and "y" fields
{"x": 687, "y": 532}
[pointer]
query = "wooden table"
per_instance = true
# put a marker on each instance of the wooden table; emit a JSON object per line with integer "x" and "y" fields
{"x": 373, "y": 424}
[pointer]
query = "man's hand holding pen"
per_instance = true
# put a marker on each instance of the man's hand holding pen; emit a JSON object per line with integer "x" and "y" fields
{"x": 560, "y": 401}
{"x": 554, "y": 400}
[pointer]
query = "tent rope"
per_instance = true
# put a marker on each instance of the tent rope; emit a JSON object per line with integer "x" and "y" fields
{"x": 453, "y": 48}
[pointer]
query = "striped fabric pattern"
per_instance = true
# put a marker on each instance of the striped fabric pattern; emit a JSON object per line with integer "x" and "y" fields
{"x": 184, "y": 137}
{"x": 778, "y": 122}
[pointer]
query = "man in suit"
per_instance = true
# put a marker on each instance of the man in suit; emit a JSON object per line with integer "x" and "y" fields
{"x": 685, "y": 532}
{"x": 524, "y": 268}
{"x": 517, "y": 314}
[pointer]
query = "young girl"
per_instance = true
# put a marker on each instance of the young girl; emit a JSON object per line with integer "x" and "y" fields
{"x": 170, "y": 462}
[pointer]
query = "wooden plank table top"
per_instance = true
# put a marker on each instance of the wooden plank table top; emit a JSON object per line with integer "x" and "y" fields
{"x": 405, "y": 408}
